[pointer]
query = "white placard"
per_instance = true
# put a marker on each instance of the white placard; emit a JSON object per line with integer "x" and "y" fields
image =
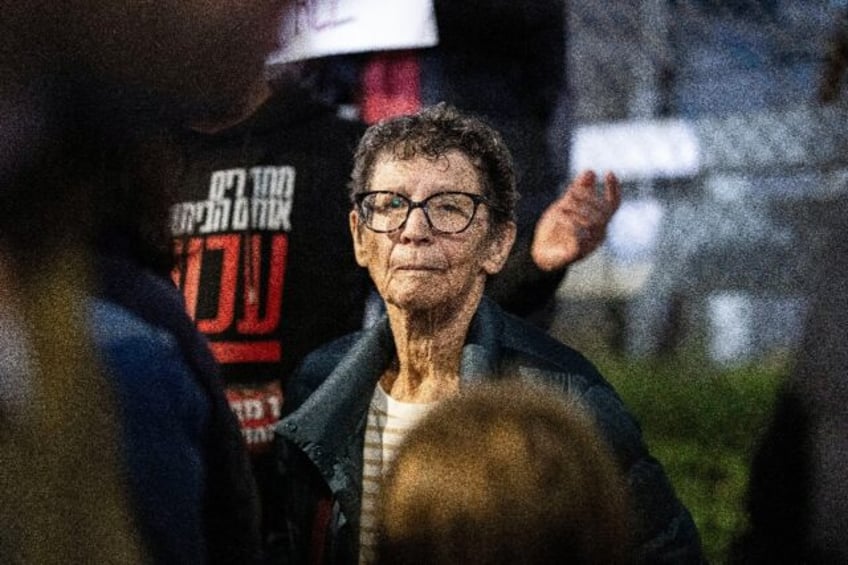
{"x": 316, "y": 28}
{"x": 638, "y": 149}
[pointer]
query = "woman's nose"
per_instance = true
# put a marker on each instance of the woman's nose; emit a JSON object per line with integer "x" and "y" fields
{"x": 417, "y": 226}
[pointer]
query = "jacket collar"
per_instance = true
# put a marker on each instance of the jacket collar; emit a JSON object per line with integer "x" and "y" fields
{"x": 481, "y": 354}
{"x": 333, "y": 411}
{"x": 323, "y": 425}
{"x": 335, "y": 408}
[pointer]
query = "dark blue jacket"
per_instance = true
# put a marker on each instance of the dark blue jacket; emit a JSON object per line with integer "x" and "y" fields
{"x": 194, "y": 497}
{"x": 320, "y": 439}
{"x": 163, "y": 416}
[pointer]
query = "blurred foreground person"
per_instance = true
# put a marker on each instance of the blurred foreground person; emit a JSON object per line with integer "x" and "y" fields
{"x": 797, "y": 494}
{"x": 507, "y": 473}
{"x": 798, "y": 486}
{"x": 81, "y": 83}
{"x": 191, "y": 488}
{"x": 434, "y": 197}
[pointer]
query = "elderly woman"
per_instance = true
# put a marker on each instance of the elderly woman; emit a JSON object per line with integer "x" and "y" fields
{"x": 434, "y": 196}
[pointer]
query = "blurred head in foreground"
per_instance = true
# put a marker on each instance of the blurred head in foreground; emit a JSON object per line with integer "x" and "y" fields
{"x": 87, "y": 88}
{"x": 81, "y": 83}
{"x": 504, "y": 474}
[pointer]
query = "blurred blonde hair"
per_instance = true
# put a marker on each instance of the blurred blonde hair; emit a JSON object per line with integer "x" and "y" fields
{"x": 507, "y": 473}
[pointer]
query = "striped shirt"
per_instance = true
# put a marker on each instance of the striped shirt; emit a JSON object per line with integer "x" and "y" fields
{"x": 388, "y": 423}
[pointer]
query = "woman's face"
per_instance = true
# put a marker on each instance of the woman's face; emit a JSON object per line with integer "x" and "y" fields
{"x": 414, "y": 267}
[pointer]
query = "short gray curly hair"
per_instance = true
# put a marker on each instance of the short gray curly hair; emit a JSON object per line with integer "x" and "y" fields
{"x": 433, "y": 132}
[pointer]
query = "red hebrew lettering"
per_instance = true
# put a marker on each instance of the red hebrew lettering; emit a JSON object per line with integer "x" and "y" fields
{"x": 262, "y": 293}
{"x": 191, "y": 273}
{"x": 229, "y": 245}
{"x": 252, "y": 323}
{"x": 246, "y": 352}
{"x": 257, "y": 408}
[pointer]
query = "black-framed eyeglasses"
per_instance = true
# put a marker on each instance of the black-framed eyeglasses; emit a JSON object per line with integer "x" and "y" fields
{"x": 383, "y": 211}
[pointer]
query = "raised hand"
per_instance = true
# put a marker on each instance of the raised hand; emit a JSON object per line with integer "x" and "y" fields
{"x": 575, "y": 224}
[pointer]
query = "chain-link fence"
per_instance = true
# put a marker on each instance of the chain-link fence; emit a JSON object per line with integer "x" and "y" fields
{"x": 724, "y": 118}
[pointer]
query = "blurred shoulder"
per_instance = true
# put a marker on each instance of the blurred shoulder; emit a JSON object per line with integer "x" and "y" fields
{"x": 113, "y": 326}
{"x": 530, "y": 353}
{"x": 529, "y": 344}
{"x": 143, "y": 360}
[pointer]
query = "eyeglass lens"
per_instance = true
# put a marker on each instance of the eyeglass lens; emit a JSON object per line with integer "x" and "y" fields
{"x": 448, "y": 212}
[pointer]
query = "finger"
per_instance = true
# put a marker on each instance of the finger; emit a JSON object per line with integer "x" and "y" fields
{"x": 582, "y": 194}
{"x": 583, "y": 183}
{"x": 586, "y": 177}
{"x": 612, "y": 192}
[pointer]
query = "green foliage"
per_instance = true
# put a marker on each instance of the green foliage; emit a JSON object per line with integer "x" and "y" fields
{"x": 702, "y": 423}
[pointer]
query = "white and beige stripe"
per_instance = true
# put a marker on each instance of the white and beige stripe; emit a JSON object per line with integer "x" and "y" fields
{"x": 388, "y": 423}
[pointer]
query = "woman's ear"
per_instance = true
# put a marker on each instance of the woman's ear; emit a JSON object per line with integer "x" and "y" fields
{"x": 360, "y": 250}
{"x": 499, "y": 246}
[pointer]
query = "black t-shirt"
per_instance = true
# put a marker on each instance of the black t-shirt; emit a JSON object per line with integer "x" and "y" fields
{"x": 265, "y": 259}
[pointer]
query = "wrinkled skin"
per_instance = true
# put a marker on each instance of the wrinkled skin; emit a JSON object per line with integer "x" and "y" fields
{"x": 431, "y": 282}
{"x": 415, "y": 268}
